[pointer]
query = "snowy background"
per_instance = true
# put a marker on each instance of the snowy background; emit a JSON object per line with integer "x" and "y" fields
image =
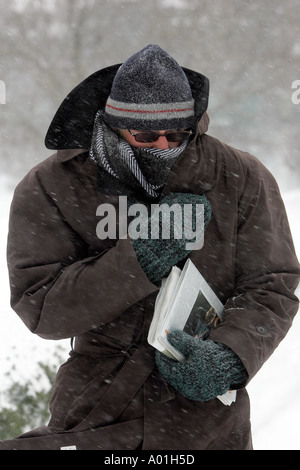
{"x": 250, "y": 50}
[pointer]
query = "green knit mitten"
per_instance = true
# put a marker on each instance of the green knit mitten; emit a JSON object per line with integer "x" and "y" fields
{"x": 156, "y": 253}
{"x": 209, "y": 370}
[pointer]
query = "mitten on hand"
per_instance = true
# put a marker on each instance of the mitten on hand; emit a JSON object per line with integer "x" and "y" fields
{"x": 209, "y": 370}
{"x": 156, "y": 253}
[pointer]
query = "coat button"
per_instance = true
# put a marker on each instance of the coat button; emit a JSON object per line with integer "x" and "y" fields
{"x": 262, "y": 330}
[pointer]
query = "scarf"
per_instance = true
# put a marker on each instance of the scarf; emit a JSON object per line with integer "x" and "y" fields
{"x": 138, "y": 167}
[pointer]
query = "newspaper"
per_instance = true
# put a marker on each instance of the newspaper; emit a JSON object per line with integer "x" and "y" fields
{"x": 185, "y": 302}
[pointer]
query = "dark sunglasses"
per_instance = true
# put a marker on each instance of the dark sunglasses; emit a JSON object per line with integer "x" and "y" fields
{"x": 152, "y": 136}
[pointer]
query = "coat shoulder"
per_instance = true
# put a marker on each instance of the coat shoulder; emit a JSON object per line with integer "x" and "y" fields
{"x": 237, "y": 165}
{"x": 51, "y": 172}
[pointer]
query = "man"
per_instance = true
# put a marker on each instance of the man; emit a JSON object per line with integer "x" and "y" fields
{"x": 139, "y": 130}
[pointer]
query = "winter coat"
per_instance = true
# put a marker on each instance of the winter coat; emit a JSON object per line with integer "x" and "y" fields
{"x": 66, "y": 282}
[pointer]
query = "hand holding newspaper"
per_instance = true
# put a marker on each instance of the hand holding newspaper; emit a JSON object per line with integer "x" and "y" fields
{"x": 185, "y": 302}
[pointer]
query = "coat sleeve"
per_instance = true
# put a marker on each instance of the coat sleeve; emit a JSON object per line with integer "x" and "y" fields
{"x": 261, "y": 310}
{"x": 56, "y": 288}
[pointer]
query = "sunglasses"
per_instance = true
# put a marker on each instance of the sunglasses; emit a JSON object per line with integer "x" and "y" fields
{"x": 152, "y": 136}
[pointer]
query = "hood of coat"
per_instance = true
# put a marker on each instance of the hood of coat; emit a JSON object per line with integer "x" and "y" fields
{"x": 72, "y": 124}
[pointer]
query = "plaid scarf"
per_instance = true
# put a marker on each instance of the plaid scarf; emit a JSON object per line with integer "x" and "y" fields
{"x": 136, "y": 166}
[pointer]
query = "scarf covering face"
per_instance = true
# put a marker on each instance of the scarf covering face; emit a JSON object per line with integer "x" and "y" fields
{"x": 137, "y": 167}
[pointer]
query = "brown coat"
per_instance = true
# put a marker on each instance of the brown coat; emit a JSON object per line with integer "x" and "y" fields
{"x": 66, "y": 282}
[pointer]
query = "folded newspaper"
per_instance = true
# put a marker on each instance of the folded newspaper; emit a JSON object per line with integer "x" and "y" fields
{"x": 185, "y": 302}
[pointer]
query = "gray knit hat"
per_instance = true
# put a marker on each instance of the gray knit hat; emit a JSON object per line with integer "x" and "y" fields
{"x": 150, "y": 91}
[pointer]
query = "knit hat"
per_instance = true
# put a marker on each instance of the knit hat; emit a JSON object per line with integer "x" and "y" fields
{"x": 150, "y": 91}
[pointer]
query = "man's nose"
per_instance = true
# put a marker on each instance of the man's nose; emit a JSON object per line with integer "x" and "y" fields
{"x": 161, "y": 143}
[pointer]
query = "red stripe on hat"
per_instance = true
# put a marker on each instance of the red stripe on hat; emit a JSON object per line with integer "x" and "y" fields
{"x": 150, "y": 112}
